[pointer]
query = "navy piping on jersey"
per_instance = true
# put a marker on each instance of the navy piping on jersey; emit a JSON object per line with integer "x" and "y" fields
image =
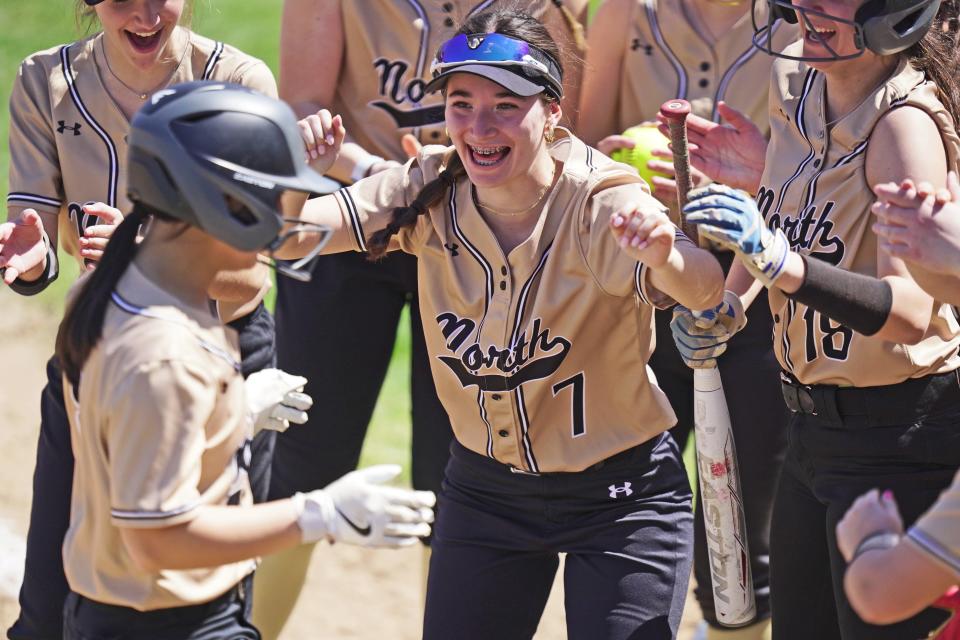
{"x": 137, "y": 310}
{"x": 212, "y": 60}
{"x": 517, "y": 325}
{"x": 355, "y": 224}
{"x": 114, "y": 171}
{"x": 525, "y": 425}
{"x": 488, "y": 270}
{"x": 32, "y": 198}
{"x": 934, "y": 548}
{"x": 801, "y": 126}
{"x": 123, "y": 514}
{"x": 671, "y": 56}
{"x": 739, "y": 62}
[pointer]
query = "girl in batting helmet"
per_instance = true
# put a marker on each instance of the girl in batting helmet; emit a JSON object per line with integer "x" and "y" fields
{"x": 163, "y": 533}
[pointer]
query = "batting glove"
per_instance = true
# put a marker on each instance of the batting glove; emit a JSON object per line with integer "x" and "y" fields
{"x": 702, "y": 336}
{"x": 358, "y": 509}
{"x": 275, "y": 399}
{"x": 731, "y": 219}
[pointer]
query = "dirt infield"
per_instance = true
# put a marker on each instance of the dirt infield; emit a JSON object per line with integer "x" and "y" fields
{"x": 351, "y": 592}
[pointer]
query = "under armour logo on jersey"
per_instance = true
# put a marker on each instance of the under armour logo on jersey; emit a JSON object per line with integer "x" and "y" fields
{"x": 452, "y": 248}
{"x": 616, "y": 492}
{"x": 62, "y": 126}
{"x": 637, "y": 44}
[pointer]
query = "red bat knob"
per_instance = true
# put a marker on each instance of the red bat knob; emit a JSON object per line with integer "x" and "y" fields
{"x": 676, "y": 109}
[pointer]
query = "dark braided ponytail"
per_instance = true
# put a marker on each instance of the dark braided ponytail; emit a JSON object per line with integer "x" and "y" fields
{"x": 429, "y": 195}
{"x": 82, "y": 325}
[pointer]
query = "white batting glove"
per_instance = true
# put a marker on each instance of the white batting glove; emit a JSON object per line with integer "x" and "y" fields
{"x": 701, "y": 337}
{"x": 358, "y": 509}
{"x": 275, "y": 399}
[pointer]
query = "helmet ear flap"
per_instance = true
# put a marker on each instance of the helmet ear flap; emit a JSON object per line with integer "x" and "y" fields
{"x": 890, "y": 26}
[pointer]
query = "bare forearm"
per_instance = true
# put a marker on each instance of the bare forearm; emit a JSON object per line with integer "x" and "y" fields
{"x": 741, "y": 282}
{"x": 218, "y": 535}
{"x": 886, "y": 586}
{"x": 691, "y": 276}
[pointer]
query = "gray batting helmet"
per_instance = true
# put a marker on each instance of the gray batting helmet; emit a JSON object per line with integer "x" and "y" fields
{"x": 882, "y": 26}
{"x": 196, "y": 143}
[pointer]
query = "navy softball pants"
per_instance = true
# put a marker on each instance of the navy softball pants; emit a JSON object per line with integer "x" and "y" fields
{"x": 901, "y": 437}
{"x": 625, "y": 526}
{"x": 44, "y": 587}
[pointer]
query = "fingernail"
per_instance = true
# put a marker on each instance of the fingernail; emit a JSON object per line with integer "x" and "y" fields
{"x": 617, "y": 220}
{"x": 888, "y": 495}
{"x": 330, "y": 139}
{"x": 635, "y": 242}
{"x": 321, "y": 150}
{"x": 624, "y": 241}
{"x": 313, "y": 154}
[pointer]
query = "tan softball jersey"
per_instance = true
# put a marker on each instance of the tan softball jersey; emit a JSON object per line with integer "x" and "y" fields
{"x": 68, "y": 138}
{"x": 937, "y": 532}
{"x": 814, "y": 187}
{"x": 538, "y": 356}
{"x": 388, "y": 48}
{"x": 666, "y": 56}
{"x": 158, "y": 429}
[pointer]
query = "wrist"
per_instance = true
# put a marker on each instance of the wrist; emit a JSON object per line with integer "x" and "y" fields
{"x": 879, "y": 540}
{"x": 362, "y": 167}
{"x": 316, "y": 515}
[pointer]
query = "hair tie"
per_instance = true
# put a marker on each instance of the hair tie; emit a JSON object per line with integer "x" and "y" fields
{"x": 418, "y": 207}
{"x": 447, "y": 176}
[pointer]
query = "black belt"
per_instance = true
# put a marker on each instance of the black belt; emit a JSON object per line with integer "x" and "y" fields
{"x": 888, "y": 403}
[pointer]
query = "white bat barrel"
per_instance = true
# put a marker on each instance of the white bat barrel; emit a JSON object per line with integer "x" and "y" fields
{"x": 722, "y": 504}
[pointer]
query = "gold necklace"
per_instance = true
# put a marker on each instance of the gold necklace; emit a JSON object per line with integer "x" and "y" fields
{"x": 141, "y": 94}
{"x": 504, "y": 212}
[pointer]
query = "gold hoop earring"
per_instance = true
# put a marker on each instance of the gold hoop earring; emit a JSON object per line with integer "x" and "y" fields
{"x": 548, "y": 135}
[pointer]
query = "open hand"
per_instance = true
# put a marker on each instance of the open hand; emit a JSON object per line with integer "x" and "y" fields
{"x": 733, "y": 153}
{"x": 22, "y": 249}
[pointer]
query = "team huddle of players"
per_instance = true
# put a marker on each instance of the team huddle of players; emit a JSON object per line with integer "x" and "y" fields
{"x": 467, "y": 152}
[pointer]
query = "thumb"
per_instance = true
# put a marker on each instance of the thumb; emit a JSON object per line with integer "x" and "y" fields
{"x": 732, "y": 116}
{"x": 31, "y": 218}
{"x": 411, "y": 146}
{"x": 379, "y": 474}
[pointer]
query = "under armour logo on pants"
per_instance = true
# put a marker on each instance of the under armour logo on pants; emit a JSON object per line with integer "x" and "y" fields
{"x": 616, "y": 492}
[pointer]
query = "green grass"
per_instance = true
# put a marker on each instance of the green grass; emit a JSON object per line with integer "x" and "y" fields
{"x": 254, "y": 27}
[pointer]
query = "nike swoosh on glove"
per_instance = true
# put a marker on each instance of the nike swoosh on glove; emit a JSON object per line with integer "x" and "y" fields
{"x": 358, "y": 509}
{"x": 275, "y": 399}
{"x": 730, "y": 218}
{"x": 701, "y": 337}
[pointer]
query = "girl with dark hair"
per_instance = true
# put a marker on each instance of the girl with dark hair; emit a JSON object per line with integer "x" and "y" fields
{"x": 540, "y": 262}
{"x": 869, "y": 358}
{"x": 70, "y": 110}
{"x": 163, "y": 533}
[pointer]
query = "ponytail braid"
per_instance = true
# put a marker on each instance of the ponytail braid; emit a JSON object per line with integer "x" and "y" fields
{"x": 82, "y": 324}
{"x": 429, "y": 195}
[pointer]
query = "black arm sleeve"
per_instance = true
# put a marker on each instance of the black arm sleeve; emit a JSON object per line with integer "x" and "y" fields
{"x": 50, "y": 273}
{"x": 859, "y": 302}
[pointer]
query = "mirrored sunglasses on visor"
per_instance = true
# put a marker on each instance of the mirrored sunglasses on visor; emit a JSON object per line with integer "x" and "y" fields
{"x": 518, "y": 66}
